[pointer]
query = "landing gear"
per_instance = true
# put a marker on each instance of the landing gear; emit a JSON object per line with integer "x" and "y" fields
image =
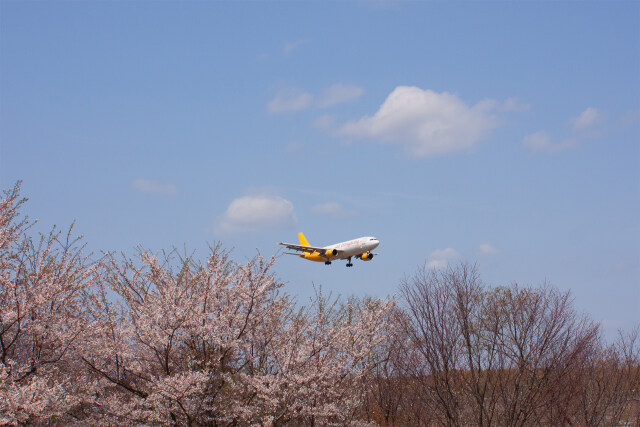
{"x": 349, "y": 264}
{"x": 327, "y": 263}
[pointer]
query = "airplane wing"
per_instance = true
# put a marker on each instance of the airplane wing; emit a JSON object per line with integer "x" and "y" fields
{"x": 307, "y": 249}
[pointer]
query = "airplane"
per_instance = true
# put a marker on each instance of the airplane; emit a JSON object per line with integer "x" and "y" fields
{"x": 360, "y": 248}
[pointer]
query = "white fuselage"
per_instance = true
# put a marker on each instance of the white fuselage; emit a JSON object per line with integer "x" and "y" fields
{"x": 354, "y": 247}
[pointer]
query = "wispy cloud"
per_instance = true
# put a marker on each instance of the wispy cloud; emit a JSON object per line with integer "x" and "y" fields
{"x": 584, "y": 126}
{"x": 294, "y": 147}
{"x": 151, "y": 186}
{"x": 325, "y": 122}
{"x": 295, "y": 99}
{"x": 426, "y": 123}
{"x": 338, "y": 94}
{"x": 514, "y": 104}
{"x": 487, "y": 249}
{"x": 289, "y": 100}
{"x": 541, "y": 142}
{"x": 290, "y": 47}
{"x": 333, "y": 210}
{"x": 256, "y": 213}
{"x": 440, "y": 257}
{"x": 587, "y": 121}
{"x": 629, "y": 119}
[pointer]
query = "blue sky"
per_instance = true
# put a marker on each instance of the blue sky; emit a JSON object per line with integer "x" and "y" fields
{"x": 500, "y": 133}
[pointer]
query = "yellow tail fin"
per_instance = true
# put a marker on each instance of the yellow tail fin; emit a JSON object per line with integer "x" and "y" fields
{"x": 303, "y": 240}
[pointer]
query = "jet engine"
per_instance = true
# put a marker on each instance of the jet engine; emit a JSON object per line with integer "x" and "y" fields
{"x": 367, "y": 256}
{"x": 331, "y": 252}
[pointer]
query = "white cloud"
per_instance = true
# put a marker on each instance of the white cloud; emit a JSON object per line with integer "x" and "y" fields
{"x": 587, "y": 120}
{"x": 541, "y": 142}
{"x": 333, "y": 210}
{"x": 514, "y": 104}
{"x": 583, "y": 127}
{"x": 259, "y": 212}
{"x": 151, "y": 186}
{"x": 289, "y": 100}
{"x": 440, "y": 257}
{"x": 338, "y": 94}
{"x": 487, "y": 249}
{"x": 426, "y": 123}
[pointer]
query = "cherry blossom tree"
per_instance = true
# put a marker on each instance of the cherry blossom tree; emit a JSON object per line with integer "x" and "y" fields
{"x": 41, "y": 318}
{"x": 219, "y": 344}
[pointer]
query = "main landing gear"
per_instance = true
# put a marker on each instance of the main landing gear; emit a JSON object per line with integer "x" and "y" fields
{"x": 327, "y": 262}
{"x": 349, "y": 264}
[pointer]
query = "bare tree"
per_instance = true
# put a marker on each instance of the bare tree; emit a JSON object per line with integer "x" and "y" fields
{"x": 609, "y": 381}
{"x": 434, "y": 329}
{"x": 492, "y": 356}
{"x": 541, "y": 343}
